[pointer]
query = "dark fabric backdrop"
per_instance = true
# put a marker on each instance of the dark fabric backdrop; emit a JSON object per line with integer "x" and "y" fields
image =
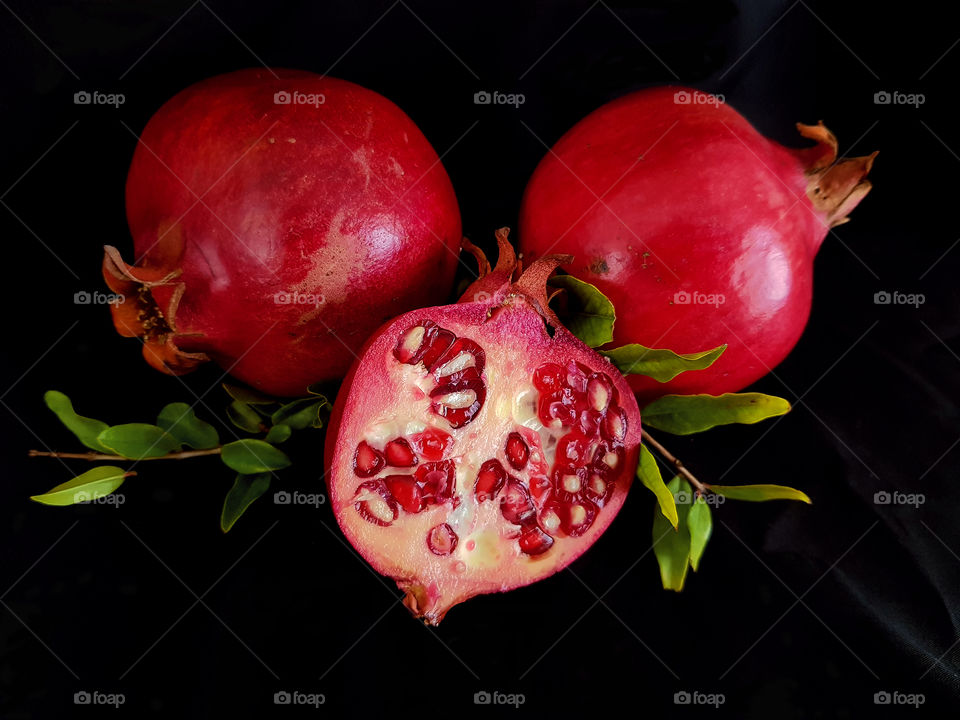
{"x": 797, "y": 611}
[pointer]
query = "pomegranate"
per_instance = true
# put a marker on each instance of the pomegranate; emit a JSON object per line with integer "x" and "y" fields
{"x": 700, "y": 230}
{"x": 278, "y": 219}
{"x": 534, "y": 439}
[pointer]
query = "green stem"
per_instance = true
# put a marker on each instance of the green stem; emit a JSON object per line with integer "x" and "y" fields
{"x": 675, "y": 461}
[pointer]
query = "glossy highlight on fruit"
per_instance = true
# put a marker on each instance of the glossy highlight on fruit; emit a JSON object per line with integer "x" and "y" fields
{"x": 279, "y": 217}
{"x": 539, "y": 438}
{"x": 701, "y": 231}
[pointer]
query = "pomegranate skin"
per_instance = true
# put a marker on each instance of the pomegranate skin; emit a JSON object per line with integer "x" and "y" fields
{"x": 704, "y": 234}
{"x": 297, "y": 229}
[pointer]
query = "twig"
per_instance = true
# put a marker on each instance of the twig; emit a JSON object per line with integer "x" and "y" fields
{"x": 675, "y": 461}
{"x": 103, "y": 456}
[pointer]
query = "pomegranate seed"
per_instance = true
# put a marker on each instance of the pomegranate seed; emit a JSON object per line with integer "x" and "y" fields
{"x": 442, "y": 540}
{"x": 459, "y": 399}
{"x": 399, "y": 453}
{"x": 430, "y": 444}
{"x": 549, "y": 518}
{"x": 569, "y": 483}
{"x": 517, "y": 451}
{"x": 598, "y": 490}
{"x": 367, "y": 461}
{"x": 516, "y": 505}
{"x": 599, "y": 391}
{"x": 539, "y": 486}
{"x": 615, "y": 424}
{"x": 572, "y": 449}
{"x": 406, "y": 492}
{"x": 415, "y": 341}
{"x": 576, "y": 378}
{"x": 577, "y": 517}
{"x": 548, "y": 378}
{"x": 490, "y": 479}
{"x": 437, "y": 480}
{"x": 534, "y": 541}
{"x": 588, "y": 423}
{"x": 608, "y": 458}
{"x": 438, "y": 346}
{"x": 375, "y": 503}
{"x": 462, "y": 354}
{"x": 557, "y": 409}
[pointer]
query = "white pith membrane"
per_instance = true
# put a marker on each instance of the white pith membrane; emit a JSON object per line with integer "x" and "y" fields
{"x": 480, "y": 550}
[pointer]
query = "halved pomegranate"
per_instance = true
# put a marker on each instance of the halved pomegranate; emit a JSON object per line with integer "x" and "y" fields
{"x": 532, "y": 436}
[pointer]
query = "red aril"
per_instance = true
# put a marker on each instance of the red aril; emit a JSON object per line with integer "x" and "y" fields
{"x": 700, "y": 230}
{"x": 273, "y": 237}
{"x": 495, "y": 512}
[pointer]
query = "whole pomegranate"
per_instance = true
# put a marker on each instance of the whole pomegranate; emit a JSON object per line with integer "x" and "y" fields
{"x": 479, "y": 447}
{"x": 278, "y": 219}
{"x": 700, "y": 230}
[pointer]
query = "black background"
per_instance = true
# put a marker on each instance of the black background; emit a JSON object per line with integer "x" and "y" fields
{"x": 796, "y": 612}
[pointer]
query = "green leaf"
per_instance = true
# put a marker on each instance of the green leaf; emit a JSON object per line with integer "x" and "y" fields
{"x": 700, "y": 523}
{"x": 86, "y": 429}
{"x": 243, "y": 416}
{"x": 688, "y": 414}
{"x": 179, "y": 420}
{"x": 659, "y": 363}
{"x": 250, "y": 457}
{"x": 649, "y": 474}
{"x": 139, "y": 440}
{"x": 91, "y": 485}
{"x": 278, "y": 434}
{"x": 299, "y": 414}
{"x": 760, "y": 493}
{"x": 672, "y": 547}
{"x": 589, "y": 314}
{"x": 246, "y": 489}
{"x": 247, "y": 395}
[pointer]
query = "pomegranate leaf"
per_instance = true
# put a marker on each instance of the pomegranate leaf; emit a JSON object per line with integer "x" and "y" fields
{"x": 250, "y": 457}
{"x": 688, "y": 414}
{"x": 760, "y": 493}
{"x": 248, "y": 396}
{"x": 700, "y": 522}
{"x": 659, "y": 363}
{"x": 278, "y": 434}
{"x": 587, "y": 313}
{"x": 92, "y": 484}
{"x": 672, "y": 546}
{"x": 649, "y": 474}
{"x": 246, "y": 489}
{"x": 243, "y": 416}
{"x": 86, "y": 429}
{"x": 300, "y": 414}
{"x": 179, "y": 420}
{"x": 138, "y": 440}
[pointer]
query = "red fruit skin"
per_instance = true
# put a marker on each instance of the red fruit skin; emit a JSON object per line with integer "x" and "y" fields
{"x": 692, "y": 200}
{"x": 344, "y": 200}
